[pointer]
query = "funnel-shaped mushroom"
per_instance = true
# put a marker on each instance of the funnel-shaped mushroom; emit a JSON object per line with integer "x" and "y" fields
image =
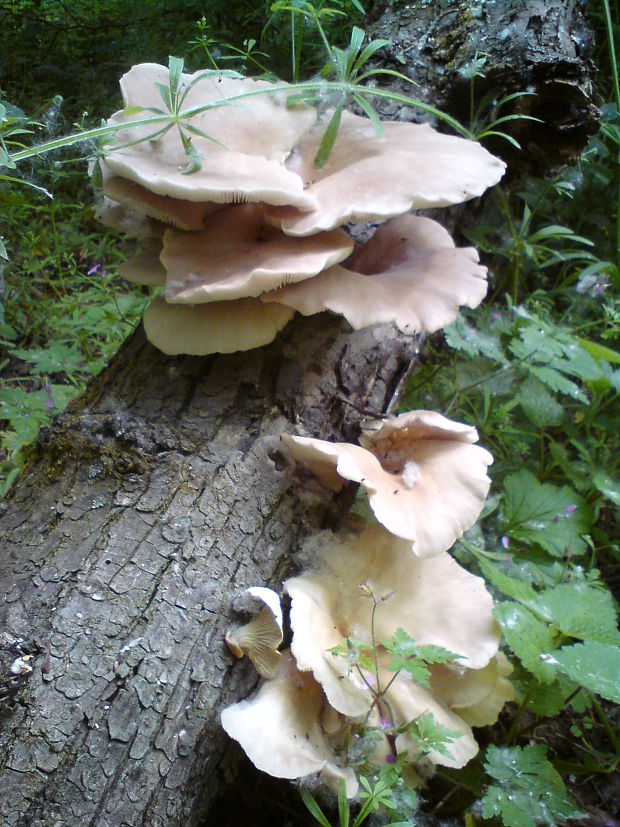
{"x": 434, "y": 600}
{"x": 368, "y": 178}
{"x": 259, "y": 639}
{"x": 238, "y": 255}
{"x": 243, "y": 162}
{"x": 286, "y": 729}
{"x": 218, "y": 327}
{"x": 426, "y": 481}
{"x": 409, "y": 273}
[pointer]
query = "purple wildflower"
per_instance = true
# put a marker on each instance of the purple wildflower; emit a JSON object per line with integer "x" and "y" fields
{"x": 570, "y": 509}
{"x": 505, "y": 541}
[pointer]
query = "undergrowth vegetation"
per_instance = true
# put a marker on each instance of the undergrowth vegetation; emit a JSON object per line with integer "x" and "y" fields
{"x": 537, "y": 371}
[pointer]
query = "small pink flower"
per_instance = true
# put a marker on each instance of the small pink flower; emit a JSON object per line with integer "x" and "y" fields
{"x": 570, "y": 509}
{"x": 390, "y": 758}
{"x": 505, "y": 541}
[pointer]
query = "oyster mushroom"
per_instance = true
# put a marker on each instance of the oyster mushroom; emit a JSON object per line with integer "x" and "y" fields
{"x": 237, "y": 255}
{"x": 426, "y": 480}
{"x": 434, "y": 600}
{"x": 218, "y": 327}
{"x": 367, "y": 177}
{"x": 409, "y": 273}
{"x": 259, "y": 639}
{"x": 287, "y": 730}
{"x": 243, "y": 162}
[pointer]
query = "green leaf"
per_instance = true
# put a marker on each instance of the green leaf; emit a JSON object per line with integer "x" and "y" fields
{"x": 531, "y": 790}
{"x": 580, "y": 611}
{"x": 471, "y": 341}
{"x": 538, "y": 404}
{"x": 607, "y": 486}
{"x": 551, "y": 517}
{"x": 329, "y": 137}
{"x": 517, "y": 589}
{"x": 431, "y": 736}
{"x": 600, "y": 351}
{"x": 175, "y": 69}
{"x": 164, "y": 91}
{"x": 596, "y": 666}
{"x": 368, "y": 52}
{"x": 414, "y": 659}
{"x": 529, "y": 638}
{"x": 371, "y": 114}
{"x": 3, "y": 252}
{"x": 313, "y": 807}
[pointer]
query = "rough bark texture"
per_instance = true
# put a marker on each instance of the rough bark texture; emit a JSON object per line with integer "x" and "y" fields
{"x": 144, "y": 512}
{"x": 537, "y": 46}
{"x": 151, "y": 505}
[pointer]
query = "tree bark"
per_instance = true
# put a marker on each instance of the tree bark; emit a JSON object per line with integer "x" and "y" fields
{"x": 542, "y": 47}
{"x": 150, "y": 506}
{"x": 144, "y": 511}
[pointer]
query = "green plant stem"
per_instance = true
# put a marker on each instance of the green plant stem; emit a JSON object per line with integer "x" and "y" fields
{"x": 616, "y": 84}
{"x": 512, "y": 732}
{"x": 374, "y": 645}
{"x": 600, "y": 713}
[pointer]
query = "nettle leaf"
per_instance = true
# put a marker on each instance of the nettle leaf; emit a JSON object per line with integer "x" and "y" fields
{"x": 579, "y": 610}
{"x": 558, "y": 382}
{"x": 57, "y": 358}
{"x": 529, "y": 638}
{"x": 431, "y": 736}
{"x": 538, "y": 404}
{"x": 471, "y": 341}
{"x": 531, "y": 791}
{"x": 596, "y": 666}
{"x": 356, "y": 652}
{"x": 553, "y": 518}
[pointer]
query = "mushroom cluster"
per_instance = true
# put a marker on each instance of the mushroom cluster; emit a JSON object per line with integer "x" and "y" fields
{"x": 302, "y": 722}
{"x": 254, "y": 234}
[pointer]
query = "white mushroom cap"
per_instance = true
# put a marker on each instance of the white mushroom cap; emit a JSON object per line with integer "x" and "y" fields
{"x": 434, "y": 600}
{"x": 258, "y": 134}
{"x": 259, "y": 639}
{"x": 238, "y": 255}
{"x": 426, "y": 481}
{"x": 409, "y": 273}
{"x": 218, "y": 327}
{"x": 368, "y": 178}
{"x": 145, "y": 267}
{"x": 281, "y": 729}
{"x": 132, "y": 222}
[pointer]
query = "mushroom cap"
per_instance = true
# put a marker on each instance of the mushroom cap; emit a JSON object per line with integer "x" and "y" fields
{"x": 426, "y": 481}
{"x": 186, "y": 215}
{"x": 281, "y": 730}
{"x": 434, "y": 600}
{"x": 367, "y": 177}
{"x": 257, "y": 133}
{"x": 134, "y": 223}
{"x": 409, "y": 273}
{"x": 218, "y": 327}
{"x": 145, "y": 267}
{"x": 238, "y": 255}
{"x": 259, "y": 639}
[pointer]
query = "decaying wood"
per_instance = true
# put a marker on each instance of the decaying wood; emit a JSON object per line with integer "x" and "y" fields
{"x": 143, "y": 514}
{"x": 538, "y": 46}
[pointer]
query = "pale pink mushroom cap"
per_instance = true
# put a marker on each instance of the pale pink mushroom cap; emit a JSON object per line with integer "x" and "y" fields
{"x": 259, "y": 639}
{"x": 434, "y": 600}
{"x": 368, "y": 178}
{"x": 409, "y": 273}
{"x": 238, "y": 255}
{"x": 426, "y": 481}
{"x": 282, "y": 728}
{"x": 258, "y": 134}
{"x": 219, "y": 327}
{"x": 145, "y": 267}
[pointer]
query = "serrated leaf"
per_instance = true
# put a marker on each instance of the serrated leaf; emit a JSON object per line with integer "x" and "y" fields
{"x": 431, "y": 736}
{"x": 529, "y": 638}
{"x": 558, "y": 382}
{"x": 596, "y": 666}
{"x": 580, "y": 611}
{"x": 471, "y": 341}
{"x": 538, "y": 404}
{"x": 531, "y": 791}
{"x": 551, "y": 517}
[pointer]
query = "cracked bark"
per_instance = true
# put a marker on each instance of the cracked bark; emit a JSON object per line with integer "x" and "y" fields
{"x": 151, "y": 504}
